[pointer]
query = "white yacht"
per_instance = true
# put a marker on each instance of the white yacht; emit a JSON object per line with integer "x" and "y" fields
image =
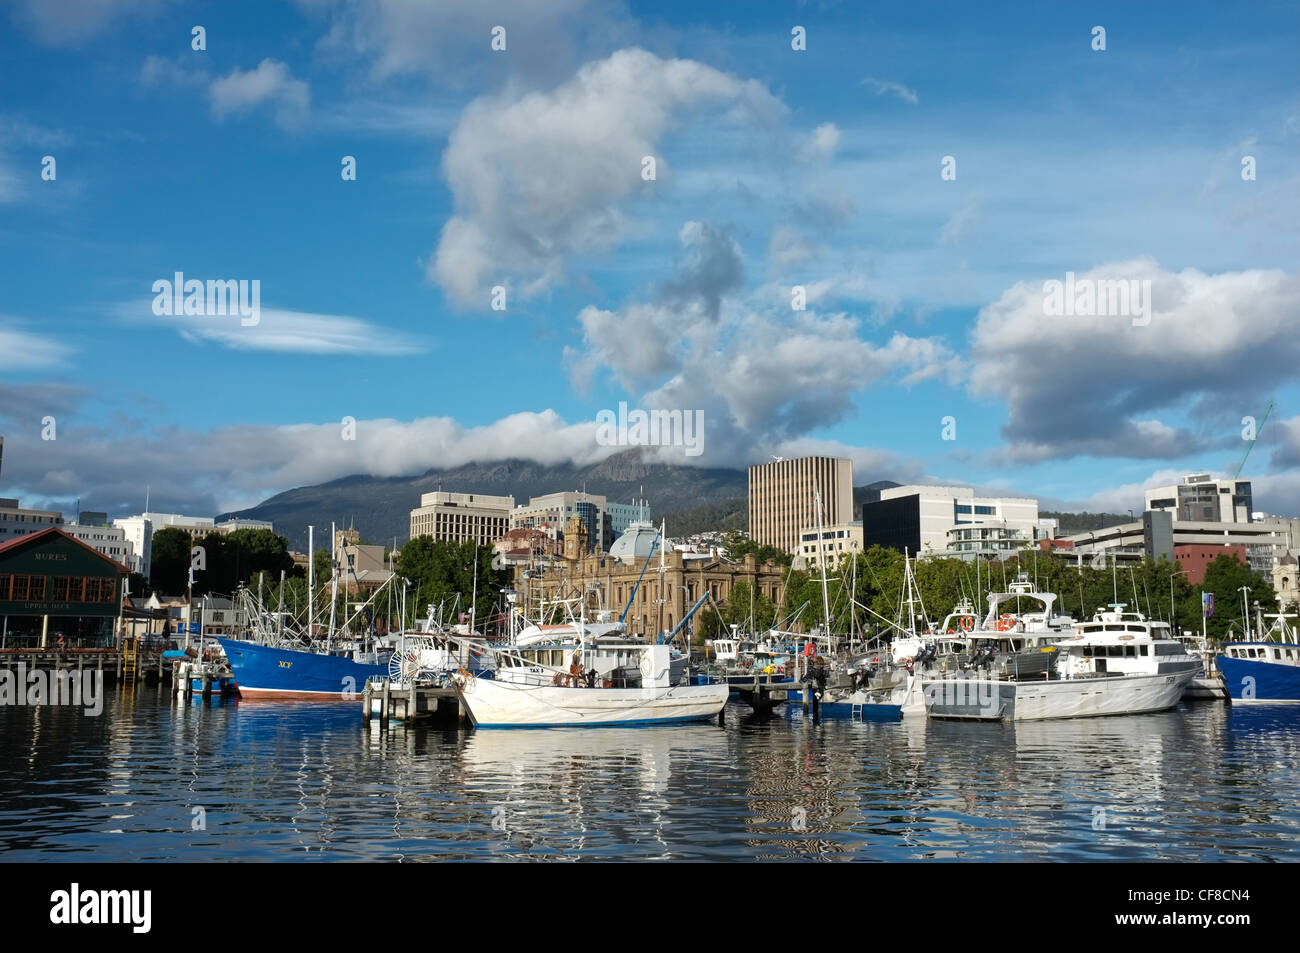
{"x": 1118, "y": 663}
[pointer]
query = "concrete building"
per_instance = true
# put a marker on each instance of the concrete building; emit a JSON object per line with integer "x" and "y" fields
{"x": 106, "y": 539}
{"x": 462, "y": 517}
{"x": 553, "y": 512}
{"x": 362, "y": 567}
{"x": 836, "y": 542}
{"x": 1127, "y": 542}
{"x": 950, "y": 521}
{"x": 1286, "y": 580}
{"x": 1194, "y": 559}
{"x": 782, "y": 498}
{"x": 1201, "y": 499}
{"x": 18, "y": 521}
{"x": 623, "y": 515}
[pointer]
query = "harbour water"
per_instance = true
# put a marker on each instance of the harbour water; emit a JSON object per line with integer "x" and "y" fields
{"x": 152, "y": 780}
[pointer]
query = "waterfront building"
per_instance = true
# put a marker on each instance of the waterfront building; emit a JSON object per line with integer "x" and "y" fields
{"x": 362, "y": 567}
{"x": 783, "y": 498}
{"x": 950, "y": 521}
{"x": 623, "y": 515}
{"x": 52, "y": 585}
{"x": 462, "y": 517}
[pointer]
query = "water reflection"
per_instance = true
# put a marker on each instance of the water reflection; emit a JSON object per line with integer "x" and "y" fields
{"x": 155, "y": 779}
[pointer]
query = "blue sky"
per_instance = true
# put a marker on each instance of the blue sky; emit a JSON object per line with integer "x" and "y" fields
{"x": 776, "y": 167}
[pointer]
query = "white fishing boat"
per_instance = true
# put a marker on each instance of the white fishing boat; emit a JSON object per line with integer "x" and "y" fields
{"x": 604, "y": 683}
{"x": 1119, "y": 663}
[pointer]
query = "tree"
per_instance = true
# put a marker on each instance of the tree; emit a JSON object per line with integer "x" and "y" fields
{"x": 170, "y": 561}
{"x": 442, "y": 573}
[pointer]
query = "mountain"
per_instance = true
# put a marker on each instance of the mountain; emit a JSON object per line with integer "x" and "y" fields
{"x": 380, "y": 507}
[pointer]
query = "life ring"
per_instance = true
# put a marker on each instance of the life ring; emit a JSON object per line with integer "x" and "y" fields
{"x": 968, "y": 622}
{"x": 952, "y": 631}
{"x": 1007, "y": 622}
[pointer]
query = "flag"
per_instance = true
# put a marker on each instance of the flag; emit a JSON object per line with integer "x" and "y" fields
{"x": 1207, "y": 604}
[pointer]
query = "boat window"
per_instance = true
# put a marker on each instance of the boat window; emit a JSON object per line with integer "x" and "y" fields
{"x": 1114, "y": 628}
{"x": 1137, "y": 628}
{"x": 1117, "y": 651}
{"x": 1129, "y": 651}
{"x": 1143, "y": 649}
{"x": 1277, "y": 654}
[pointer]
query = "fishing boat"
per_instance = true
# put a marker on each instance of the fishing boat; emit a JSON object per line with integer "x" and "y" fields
{"x": 595, "y": 683}
{"x": 1263, "y": 670}
{"x": 1119, "y": 663}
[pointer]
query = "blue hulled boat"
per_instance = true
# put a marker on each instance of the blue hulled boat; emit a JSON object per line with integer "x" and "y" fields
{"x": 264, "y": 671}
{"x": 1267, "y": 670}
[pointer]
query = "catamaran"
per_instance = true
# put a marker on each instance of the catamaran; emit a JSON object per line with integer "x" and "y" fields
{"x": 1119, "y": 663}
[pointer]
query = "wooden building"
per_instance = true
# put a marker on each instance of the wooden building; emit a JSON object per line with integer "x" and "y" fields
{"x": 52, "y": 586}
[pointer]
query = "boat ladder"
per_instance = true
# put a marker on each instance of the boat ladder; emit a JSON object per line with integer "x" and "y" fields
{"x": 130, "y": 658}
{"x": 855, "y": 712}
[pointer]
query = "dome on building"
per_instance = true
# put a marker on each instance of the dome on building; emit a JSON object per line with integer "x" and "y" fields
{"x": 635, "y": 543}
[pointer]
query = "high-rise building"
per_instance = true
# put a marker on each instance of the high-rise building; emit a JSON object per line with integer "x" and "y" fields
{"x": 783, "y": 498}
{"x": 462, "y": 517}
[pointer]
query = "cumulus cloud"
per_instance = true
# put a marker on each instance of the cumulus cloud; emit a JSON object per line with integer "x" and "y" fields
{"x": 269, "y": 83}
{"x": 539, "y": 176}
{"x": 1095, "y": 385}
{"x": 242, "y": 465}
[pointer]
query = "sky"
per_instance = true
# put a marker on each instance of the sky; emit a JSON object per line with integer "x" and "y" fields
{"x": 917, "y": 174}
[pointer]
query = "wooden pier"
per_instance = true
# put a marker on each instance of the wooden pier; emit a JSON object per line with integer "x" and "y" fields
{"x": 114, "y": 663}
{"x": 389, "y": 702}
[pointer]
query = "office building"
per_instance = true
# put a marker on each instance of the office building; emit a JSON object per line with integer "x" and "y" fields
{"x": 783, "y": 498}
{"x": 950, "y": 521}
{"x": 462, "y": 517}
{"x": 1201, "y": 499}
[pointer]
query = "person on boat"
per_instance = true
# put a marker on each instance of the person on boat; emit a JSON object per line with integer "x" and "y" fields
{"x": 575, "y": 671}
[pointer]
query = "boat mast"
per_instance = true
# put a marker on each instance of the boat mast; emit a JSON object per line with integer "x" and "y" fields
{"x": 334, "y": 583}
{"x": 311, "y": 583}
{"x": 821, "y": 553}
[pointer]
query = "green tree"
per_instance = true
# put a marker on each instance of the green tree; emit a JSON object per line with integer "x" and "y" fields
{"x": 441, "y": 571}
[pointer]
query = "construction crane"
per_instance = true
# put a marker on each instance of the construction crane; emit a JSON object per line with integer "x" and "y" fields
{"x": 1267, "y": 410}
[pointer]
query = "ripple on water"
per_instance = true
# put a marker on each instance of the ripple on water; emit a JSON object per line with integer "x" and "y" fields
{"x": 151, "y": 781}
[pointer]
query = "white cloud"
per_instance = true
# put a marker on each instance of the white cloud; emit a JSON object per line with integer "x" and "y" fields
{"x": 450, "y": 39}
{"x": 270, "y": 82}
{"x": 73, "y": 22}
{"x": 287, "y": 332}
{"x": 1090, "y": 384}
{"x": 884, "y": 87}
{"x": 821, "y": 143}
{"x": 22, "y": 350}
{"x": 539, "y": 176}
